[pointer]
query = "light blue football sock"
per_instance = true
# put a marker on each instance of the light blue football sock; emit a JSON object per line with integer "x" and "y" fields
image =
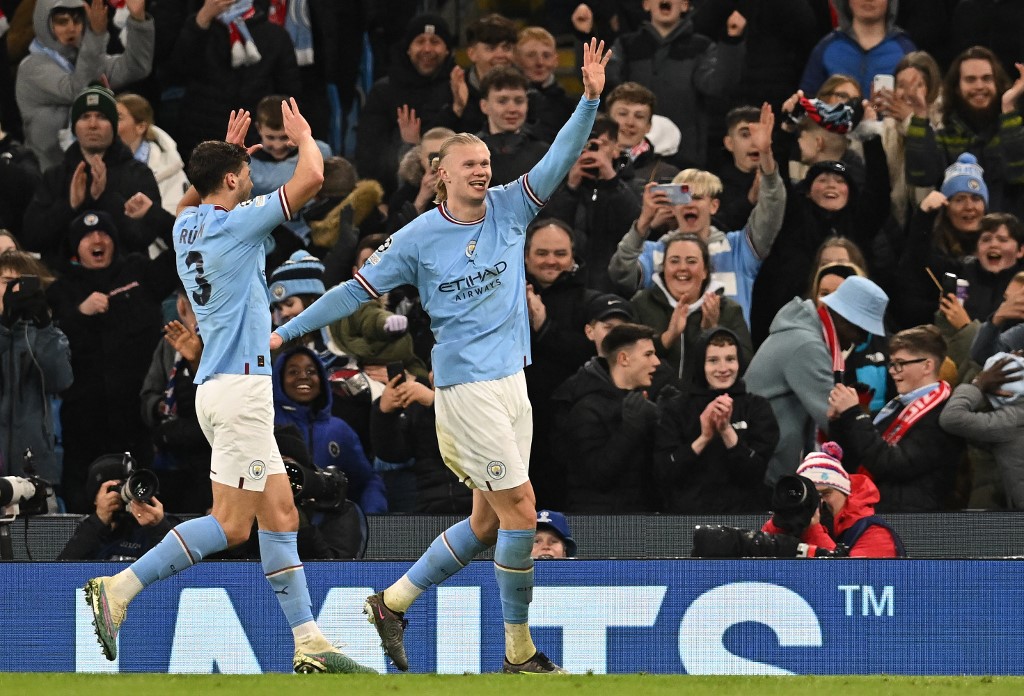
{"x": 449, "y": 553}
{"x": 513, "y": 568}
{"x": 283, "y": 569}
{"x": 183, "y": 547}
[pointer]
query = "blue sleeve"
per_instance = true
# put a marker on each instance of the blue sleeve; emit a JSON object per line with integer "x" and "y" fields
{"x": 252, "y": 222}
{"x": 744, "y": 255}
{"x": 388, "y": 267}
{"x": 566, "y": 148}
{"x": 364, "y": 483}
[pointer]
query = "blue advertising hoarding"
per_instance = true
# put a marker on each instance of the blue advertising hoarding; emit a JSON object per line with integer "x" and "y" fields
{"x": 658, "y": 616}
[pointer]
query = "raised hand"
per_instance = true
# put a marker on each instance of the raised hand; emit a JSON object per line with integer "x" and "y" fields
{"x": 98, "y": 169}
{"x": 184, "y": 340}
{"x": 295, "y": 125}
{"x": 583, "y": 19}
{"x": 460, "y": 90}
{"x": 595, "y": 59}
{"x": 1011, "y": 95}
{"x": 137, "y": 206}
{"x": 238, "y": 125}
{"x": 137, "y": 9}
{"x": 711, "y": 310}
{"x": 96, "y": 15}
{"x": 79, "y": 184}
{"x": 990, "y": 381}
{"x": 408, "y": 124}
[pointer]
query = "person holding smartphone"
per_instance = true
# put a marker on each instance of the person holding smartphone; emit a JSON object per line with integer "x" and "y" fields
{"x": 35, "y": 362}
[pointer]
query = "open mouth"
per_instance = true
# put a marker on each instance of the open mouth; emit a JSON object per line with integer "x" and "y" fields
{"x": 755, "y": 155}
{"x": 665, "y": 6}
{"x": 478, "y": 185}
{"x": 690, "y": 218}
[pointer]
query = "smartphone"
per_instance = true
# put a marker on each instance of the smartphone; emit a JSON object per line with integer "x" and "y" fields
{"x": 395, "y": 369}
{"x": 880, "y": 82}
{"x": 948, "y": 284}
{"x": 678, "y": 194}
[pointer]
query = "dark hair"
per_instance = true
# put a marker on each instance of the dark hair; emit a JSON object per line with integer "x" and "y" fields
{"x": 674, "y": 237}
{"x": 605, "y": 124}
{"x": 953, "y": 101}
{"x": 921, "y": 339}
{"x": 828, "y": 87}
{"x": 24, "y": 263}
{"x": 268, "y": 111}
{"x": 539, "y": 222}
{"x": 370, "y": 241}
{"x": 856, "y": 255}
{"x": 503, "y": 77}
{"x": 723, "y": 338}
{"x": 741, "y": 114}
{"x": 623, "y": 336}
{"x": 632, "y": 92}
{"x": 993, "y": 221}
{"x": 211, "y": 161}
{"x": 492, "y": 29}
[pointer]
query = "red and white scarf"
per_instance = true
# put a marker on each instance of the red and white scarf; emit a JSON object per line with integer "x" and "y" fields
{"x": 915, "y": 411}
{"x": 828, "y": 328}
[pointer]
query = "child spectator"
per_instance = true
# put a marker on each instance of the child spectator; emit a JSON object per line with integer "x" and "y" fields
{"x": 503, "y": 101}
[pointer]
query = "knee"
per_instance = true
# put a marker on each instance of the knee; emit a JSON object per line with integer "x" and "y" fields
{"x": 236, "y": 531}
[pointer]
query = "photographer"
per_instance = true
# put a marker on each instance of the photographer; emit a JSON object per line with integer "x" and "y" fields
{"x": 116, "y": 530}
{"x": 35, "y": 362}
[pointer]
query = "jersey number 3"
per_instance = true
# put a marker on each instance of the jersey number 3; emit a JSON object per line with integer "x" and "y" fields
{"x": 203, "y": 295}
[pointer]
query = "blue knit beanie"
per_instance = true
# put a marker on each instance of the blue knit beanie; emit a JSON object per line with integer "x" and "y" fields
{"x": 301, "y": 274}
{"x": 965, "y": 176}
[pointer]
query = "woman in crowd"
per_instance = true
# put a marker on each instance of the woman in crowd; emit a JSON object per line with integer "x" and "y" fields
{"x": 152, "y": 146}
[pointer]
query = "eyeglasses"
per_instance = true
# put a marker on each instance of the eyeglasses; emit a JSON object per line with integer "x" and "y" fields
{"x": 896, "y": 366}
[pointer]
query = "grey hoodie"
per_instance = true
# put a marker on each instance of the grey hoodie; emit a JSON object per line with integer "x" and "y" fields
{"x": 45, "y": 89}
{"x": 793, "y": 370}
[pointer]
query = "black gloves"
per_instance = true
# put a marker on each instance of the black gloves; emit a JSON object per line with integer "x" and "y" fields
{"x": 24, "y": 304}
{"x": 637, "y": 412}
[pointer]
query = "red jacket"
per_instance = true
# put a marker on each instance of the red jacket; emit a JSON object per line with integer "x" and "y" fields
{"x": 875, "y": 542}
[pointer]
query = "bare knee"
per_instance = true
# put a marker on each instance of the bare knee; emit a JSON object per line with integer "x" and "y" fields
{"x": 236, "y": 531}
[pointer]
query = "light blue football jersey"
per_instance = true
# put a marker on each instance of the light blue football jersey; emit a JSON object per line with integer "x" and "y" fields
{"x": 470, "y": 274}
{"x": 221, "y": 260}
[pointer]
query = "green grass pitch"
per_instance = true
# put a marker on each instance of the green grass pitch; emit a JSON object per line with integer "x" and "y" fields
{"x": 499, "y": 685}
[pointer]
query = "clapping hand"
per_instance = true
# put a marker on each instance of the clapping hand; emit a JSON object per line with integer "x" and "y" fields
{"x": 1011, "y": 95}
{"x": 409, "y": 124}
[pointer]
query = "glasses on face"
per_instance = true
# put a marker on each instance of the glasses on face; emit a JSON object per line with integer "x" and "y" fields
{"x": 896, "y": 366}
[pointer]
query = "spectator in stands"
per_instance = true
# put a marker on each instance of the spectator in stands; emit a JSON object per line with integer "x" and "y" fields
{"x": 866, "y": 362}
{"x": 553, "y": 538}
{"x": 301, "y": 399}
{"x": 418, "y": 83}
{"x": 917, "y": 79}
{"x": 684, "y": 300}
{"x": 108, "y": 304}
{"x": 68, "y": 54}
{"x": 182, "y": 457}
{"x": 8, "y": 241}
{"x": 943, "y": 232}
{"x": 503, "y": 101}
{"x": 631, "y": 105}
{"x": 866, "y": 43}
{"x": 19, "y": 177}
{"x": 847, "y": 512}
{"x": 979, "y": 116}
{"x": 713, "y": 443}
{"x": 911, "y": 459}
{"x": 490, "y": 42}
{"x": 999, "y": 257}
{"x": 681, "y": 67}
{"x": 802, "y": 359}
{"x": 152, "y": 146}
{"x": 115, "y": 530}
{"x": 274, "y": 163}
{"x": 418, "y": 180}
{"x": 100, "y": 174}
{"x": 989, "y": 412}
{"x": 735, "y": 256}
{"x": 598, "y": 201}
{"x": 740, "y": 181}
{"x": 558, "y": 303}
{"x": 606, "y": 424}
{"x": 536, "y": 54}
{"x": 35, "y": 363}
{"x": 201, "y": 61}
{"x": 402, "y": 428}
{"x": 1002, "y": 332}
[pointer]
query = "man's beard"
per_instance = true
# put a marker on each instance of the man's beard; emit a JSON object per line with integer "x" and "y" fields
{"x": 982, "y": 119}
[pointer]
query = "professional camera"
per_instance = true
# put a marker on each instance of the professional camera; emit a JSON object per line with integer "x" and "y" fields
{"x": 325, "y": 489}
{"x": 26, "y": 495}
{"x": 140, "y": 485}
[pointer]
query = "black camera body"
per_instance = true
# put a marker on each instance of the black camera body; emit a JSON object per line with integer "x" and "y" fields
{"x": 139, "y": 485}
{"x": 323, "y": 489}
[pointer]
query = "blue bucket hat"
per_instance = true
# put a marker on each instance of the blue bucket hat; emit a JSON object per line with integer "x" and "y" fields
{"x": 860, "y": 302}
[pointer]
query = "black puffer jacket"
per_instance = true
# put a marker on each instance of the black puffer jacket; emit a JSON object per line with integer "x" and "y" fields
{"x": 608, "y": 465}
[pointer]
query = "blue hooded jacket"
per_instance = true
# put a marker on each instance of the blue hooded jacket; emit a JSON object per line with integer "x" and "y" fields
{"x": 330, "y": 439}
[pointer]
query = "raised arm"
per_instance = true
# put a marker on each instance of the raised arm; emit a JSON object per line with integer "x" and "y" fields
{"x": 309, "y": 170}
{"x": 549, "y": 172}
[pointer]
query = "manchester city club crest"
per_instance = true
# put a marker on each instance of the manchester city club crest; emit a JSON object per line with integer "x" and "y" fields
{"x": 471, "y": 249}
{"x": 277, "y": 291}
{"x": 496, "y": 470}
{"x": 91, "y": 219}
{"x": 257, "y": 470}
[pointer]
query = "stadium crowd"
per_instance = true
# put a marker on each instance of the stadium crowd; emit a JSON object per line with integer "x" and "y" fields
{"x": 795, "y": 221}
